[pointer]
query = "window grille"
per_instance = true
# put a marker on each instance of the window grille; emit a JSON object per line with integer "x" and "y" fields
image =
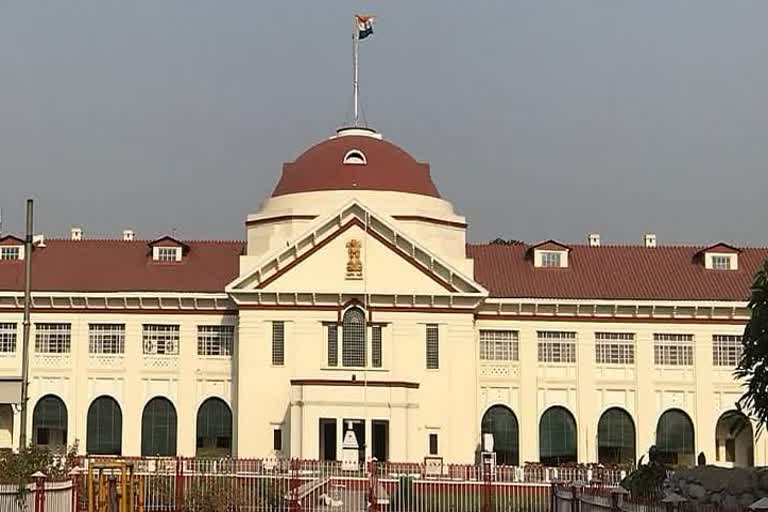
{"x": 49, "y": 422}
{"x": 721, "y": 262}
{"x": 7, "y": 338}
{"x": 433, "y": 347}
{"x": 557, "y": 346}
{"x": 726, "y": 349}
{"x": 499, "y": 345}
{"x": 53, "y": 338}
{"x": 161, "y": 339}
{"x": 614, "y": 348}
{"x": 353, "y": 345}
{"x": 105, "y": 427}
{"x": 158, "y": 428}
{"x": 106, "y": 338}
{"x": 550, "y": 259}
{"x": 10, "y": 253}
{"x": 167, "y": 253}
{"x": 278, "y": 343}
{"x": 673, "y": 349}
{"x": 215, "y": 340}
{"x": 333, "y": 345}
{"x": 214, "y": 429}
{"x": 376, "y": 358}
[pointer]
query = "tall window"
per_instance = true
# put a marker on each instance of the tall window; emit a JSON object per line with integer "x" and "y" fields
{"x": 161, "y": 339}
{"x": 726, "y": 349}
{"x": 501, "y": 423}
{"x": 675, "y": 438}
{"x": 215, "y": 340}
{"x": 158, "y": 428}
{"x": 7, "y": 338}
{"x": 278, "y": 343}
{"x": 376, "y": 355}
{"x": 557, "y": 437}
{"x": 49, "y": 422}
{"x": 673, "y": 349}
{"x": 616, "y": 437}
{"x": 614, "y": 348}
{"x": 10, "y": 253}
{"x": 557, "y": 346}
{"x": 104, "y": 427}
{"x": 433, "y": 347}
{"x": 214, "y": 429}
{"x": 106, "y": 338}
{"x": 53, "y": 338}
{"x": 333, "y": 345}
{"x": 499, "y": 345}
{"x": 353, "y": 345}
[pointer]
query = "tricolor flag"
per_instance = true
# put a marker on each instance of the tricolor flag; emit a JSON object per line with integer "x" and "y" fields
{"x": 364, "y": 26}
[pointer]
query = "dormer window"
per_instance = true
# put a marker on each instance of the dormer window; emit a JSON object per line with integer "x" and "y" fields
{"x": 550, "y": 254}
{"x": 168, "y": 254}
{"x": 11, "y": 248}
{"x": 355, "y": 157}
{"x": 168, "y": 250}
{"x": 720, "y": 257}
{"x": 10, "y": 253}
{"x": 550, "y": 259}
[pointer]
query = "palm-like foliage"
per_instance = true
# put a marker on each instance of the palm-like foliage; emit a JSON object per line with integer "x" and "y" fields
{"x": 753, "y": 364}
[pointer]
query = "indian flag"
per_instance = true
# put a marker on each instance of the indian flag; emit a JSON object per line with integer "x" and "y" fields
{"x": 364, "y": 26}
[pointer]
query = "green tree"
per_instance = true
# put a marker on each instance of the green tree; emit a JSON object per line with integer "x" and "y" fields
{"x": 752, "y": 369}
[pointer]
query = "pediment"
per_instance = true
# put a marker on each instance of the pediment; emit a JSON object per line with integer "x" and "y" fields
{"x": 356, "y": 251}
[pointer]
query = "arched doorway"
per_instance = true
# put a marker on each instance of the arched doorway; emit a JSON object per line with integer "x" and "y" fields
{"x": 214, "y": 429}
{"x": 158, "y": 428}
{"x": 674, "y": 438}
{"x": 6, "y": 426}
{"x": 616, "y": 437}
{"x": 501, "y": 422}
{"x": 557, "y": 437}
{"x": 104, "y": 428}
{"x": 49, "y": 422}
{"x": 734, "y": 440}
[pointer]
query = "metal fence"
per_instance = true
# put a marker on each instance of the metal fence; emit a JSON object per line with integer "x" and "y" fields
{"x": 195, "y": 484}
{"x": 40, "y": 496}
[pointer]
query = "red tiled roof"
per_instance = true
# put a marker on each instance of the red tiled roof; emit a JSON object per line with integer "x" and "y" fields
{"x": 119, "y": 266}
{"x": 388, "y": 167}
{"x": 607, "y": 272}
{"x": 614, "y": 272}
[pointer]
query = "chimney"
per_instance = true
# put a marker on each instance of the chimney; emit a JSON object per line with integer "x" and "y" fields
{"x": 38, "y": 240}
{"x": 650, "y": 240}
{"x": 594, "y": 239}
{"x": 76, "y": 233}
{"x": 129, "y": 235}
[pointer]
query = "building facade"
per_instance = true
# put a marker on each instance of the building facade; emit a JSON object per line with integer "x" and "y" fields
{"x": 355, "y": 303}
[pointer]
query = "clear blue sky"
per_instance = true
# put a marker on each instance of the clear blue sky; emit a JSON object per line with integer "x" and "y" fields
{"x": 541, "y": 119}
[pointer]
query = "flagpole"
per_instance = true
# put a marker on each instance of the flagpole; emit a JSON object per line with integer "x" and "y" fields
{"x": 355, "y": 56}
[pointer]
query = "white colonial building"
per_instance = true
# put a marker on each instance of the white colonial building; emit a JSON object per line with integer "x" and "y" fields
{"x": 356, "y": 303}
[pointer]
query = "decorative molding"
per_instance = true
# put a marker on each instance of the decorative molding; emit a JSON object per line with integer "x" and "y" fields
{"x": 355, "y": 383}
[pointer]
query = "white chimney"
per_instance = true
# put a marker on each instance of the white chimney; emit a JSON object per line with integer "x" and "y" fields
{"x": 38, "y": 240}
{"x": 76, "y": 234}
{"x": 128, "y": 235}
{"x": 594, "y": 239}
{"x": 650, "y": 240}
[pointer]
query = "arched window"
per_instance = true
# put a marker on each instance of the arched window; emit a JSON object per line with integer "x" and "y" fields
{"x": 734, "y": 442}
{"x": 158, "y": 428}
{"x": 353, "y": 346}
{"x": 214, "y": 429}
{"x": 557, "y": 437}
{"x": 502, "y": 424}
{"x": 49, "y": 422}
{"x": 616, "y": 437}
{"x": 355, "y": 157}
{"x": 674, "y": 438}
{"x": 105, "y": 427}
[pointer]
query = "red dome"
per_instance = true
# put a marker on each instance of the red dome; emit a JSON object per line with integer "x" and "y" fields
{"x": 350, "y": 162}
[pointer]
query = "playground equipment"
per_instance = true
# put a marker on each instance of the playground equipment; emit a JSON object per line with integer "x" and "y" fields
{"x": 113, "y": 486}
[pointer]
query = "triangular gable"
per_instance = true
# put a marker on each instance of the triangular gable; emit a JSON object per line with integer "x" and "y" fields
{"x": 11, "y": 240}
{"x": 550, "y": 245}
{"x": 328, "y": 238}
{"x": 168, "y": 241}
{"x": 720, "y": 247}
